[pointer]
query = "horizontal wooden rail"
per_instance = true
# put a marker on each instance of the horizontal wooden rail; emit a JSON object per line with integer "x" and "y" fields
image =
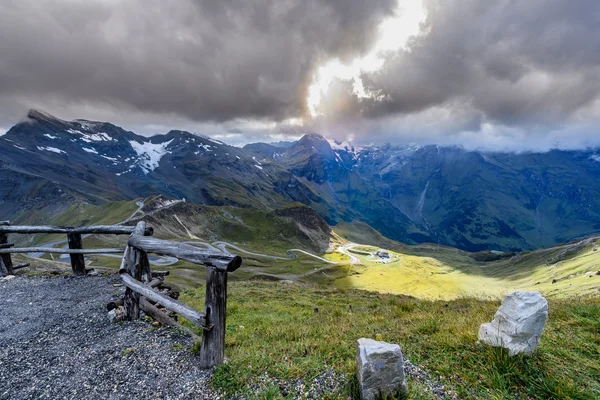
{"x": 59, "y": 251}
{"x": 223, "y": 262}
{"x": 164, "y": 319}
{"x": 99, "y": 230}
{"x": 148, "y": 292}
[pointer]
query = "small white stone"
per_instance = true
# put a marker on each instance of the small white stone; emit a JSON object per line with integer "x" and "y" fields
{"x": 380, "y": 369}
{"x": 518, "y": 323}
{"x": 8, "y": 278}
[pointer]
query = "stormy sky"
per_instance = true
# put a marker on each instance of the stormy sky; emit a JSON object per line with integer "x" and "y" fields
{"x": 496, "y": 75}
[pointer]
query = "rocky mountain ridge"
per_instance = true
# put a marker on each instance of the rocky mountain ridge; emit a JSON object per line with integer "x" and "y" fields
{"x": 447, "y": 195}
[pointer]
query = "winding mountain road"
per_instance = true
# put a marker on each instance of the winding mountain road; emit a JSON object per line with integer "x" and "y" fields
{"x": 218, "y": 246}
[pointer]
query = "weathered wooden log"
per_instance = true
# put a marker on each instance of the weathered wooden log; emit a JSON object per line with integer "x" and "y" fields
{"x": 212, "y": 350}
{"x": 3, "y": 271}
{"x": 155, "y": 282}
{"x": 168, "y": 292}
{"x": 53, "y": 250}
{"x": 97, "y": 230}
{"x": 172, "y": 289}
{"x": 187, "y": 252}
{"x": 160, "y": 273}
{"x": 144, "y": 263}
{"x": 164, "y": 319}
{"x": 111, "y": 305}
{"x": 77, "y": 260}
{"x": 138, "y": 266}
{"x": 19, "y": 266}
{"x": 131, "y": 302}
{"x": 124, "y": 260}
{"x": 6, "y": 259}
{"x": 6, "y": 245}
{"x": 185, "y": 311}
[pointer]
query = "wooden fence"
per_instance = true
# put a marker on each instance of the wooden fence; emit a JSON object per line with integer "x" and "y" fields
{"x": 74, "y": 240}
{"x": 141, "y": 282}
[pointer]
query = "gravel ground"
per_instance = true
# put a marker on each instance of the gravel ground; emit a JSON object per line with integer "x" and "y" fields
{"x": 432, "y": 386}
{"x": 56, "y": 343}
{"x": 327, "y": 382}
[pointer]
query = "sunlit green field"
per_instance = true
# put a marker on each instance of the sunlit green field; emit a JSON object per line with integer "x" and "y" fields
{"x": 429, "y": 277}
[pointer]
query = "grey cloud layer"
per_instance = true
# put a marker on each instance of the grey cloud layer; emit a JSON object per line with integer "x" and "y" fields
{"x": 205, "y": 60}
{"x": 483, "y": 72}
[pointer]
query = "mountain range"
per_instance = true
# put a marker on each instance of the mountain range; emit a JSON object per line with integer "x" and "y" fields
{"x": 467, "y": 199}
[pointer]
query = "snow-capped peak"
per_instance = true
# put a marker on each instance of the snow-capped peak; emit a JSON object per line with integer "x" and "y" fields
{"x": 337, "y": 145}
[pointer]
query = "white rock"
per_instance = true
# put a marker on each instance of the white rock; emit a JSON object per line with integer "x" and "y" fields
{"x": 116, "y": 314}
{"x": 8, "y": 278}
{"x": 112, "y": 316}
{"x": 380, "y": 369}
{"x": 518, "y": 323}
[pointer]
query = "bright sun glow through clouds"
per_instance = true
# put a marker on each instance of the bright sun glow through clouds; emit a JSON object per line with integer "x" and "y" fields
{"x": 394, "y": 33}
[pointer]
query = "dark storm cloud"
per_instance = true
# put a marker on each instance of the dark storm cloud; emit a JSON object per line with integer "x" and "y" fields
{"x": 204, "y": 60}
{"x": 517, "y": 62}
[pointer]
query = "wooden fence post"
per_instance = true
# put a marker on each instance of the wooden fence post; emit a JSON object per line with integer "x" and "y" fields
{"x": 138, "y": 266}
{"x": 5, "y": 258}
{"x": 212, "y": 351}
{"x": 77, "y": 260}
{"x": 3, "y": 271}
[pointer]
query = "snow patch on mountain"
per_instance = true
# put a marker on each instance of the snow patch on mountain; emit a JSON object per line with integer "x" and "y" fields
{"x": 91, "y": 137}
{"x": 595, "y": 157}
{"x": 89, "y": 150}
{"x": 149, "y": 154}
{"x": 52, "y": 149}
{"x": 50, "y": 136}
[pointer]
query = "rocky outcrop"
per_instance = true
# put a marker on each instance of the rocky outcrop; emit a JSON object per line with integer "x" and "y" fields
{"x": 380, "y": 369}
{"x": 518, "y": 323}
{"x": 309, "y": 222}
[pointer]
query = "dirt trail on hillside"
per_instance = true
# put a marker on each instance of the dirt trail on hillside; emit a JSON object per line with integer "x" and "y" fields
{"x": 56, "y": 342}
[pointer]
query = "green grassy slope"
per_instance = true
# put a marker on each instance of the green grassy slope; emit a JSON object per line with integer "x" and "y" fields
{"x": 274, "y": 333}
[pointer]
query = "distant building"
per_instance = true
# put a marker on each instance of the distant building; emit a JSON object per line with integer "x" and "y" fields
{"x": 383, "y": 254}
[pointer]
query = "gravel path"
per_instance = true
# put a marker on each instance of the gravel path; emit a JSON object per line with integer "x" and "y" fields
{"x": 56, "y": 343}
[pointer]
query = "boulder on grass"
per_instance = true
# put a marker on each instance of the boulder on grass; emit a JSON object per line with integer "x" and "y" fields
{"x": 380, "y": 369}
{"x": 518, "y": 323}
